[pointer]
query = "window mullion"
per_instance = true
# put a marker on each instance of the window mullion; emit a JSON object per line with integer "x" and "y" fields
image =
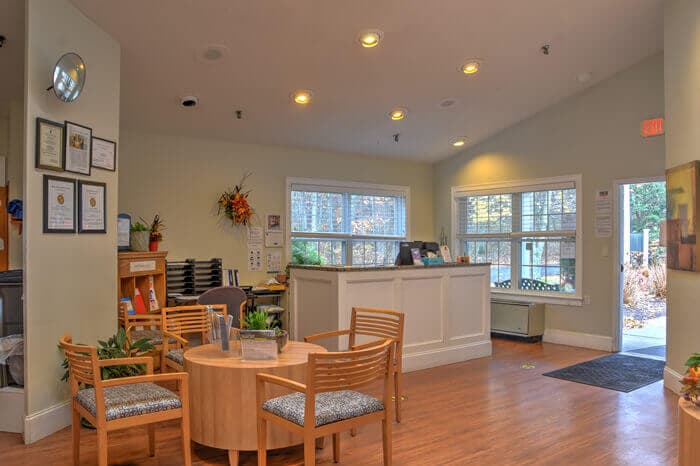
{"x": 515, "y": 242}
{"x": 347, "y": 227}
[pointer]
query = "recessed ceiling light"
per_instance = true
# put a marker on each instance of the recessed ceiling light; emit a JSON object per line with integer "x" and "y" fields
{"x": 212, "y": 53}
{"x": 459, "y": 141}
{"x": 399, "y": 113}
{"x": 302, "y": 97}
{"x": 448, "y": 102}
{"x": 470, "y": 67}
{"x": 189, "y": 101}
{"x": 369, "y": 38}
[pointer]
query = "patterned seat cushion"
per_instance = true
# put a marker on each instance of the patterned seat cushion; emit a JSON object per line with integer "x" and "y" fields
{"x": 130, "y": 400}
{"x": 155, "y": 337}
{"x": 330, "y": 406}
{"x": 176, "y": 355}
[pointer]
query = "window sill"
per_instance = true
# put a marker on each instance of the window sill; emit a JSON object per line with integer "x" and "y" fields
{"x": 525, "y": 297}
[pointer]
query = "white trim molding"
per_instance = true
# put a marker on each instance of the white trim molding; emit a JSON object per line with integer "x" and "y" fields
{"x": 581, "y": 340}
{"x": 47, "y": 421}
{"x": 672, "y": 380}
{"x": 442, "y": 356}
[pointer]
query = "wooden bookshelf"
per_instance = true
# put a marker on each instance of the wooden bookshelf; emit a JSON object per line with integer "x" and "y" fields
{"x": 134, "y": 270}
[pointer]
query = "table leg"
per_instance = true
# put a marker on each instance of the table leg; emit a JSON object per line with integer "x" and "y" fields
{"x": 233, "y": 457}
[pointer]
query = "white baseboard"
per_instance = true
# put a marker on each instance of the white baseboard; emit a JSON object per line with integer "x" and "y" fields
{"x": 449, "y": 355}
{"x": 672, "y": 380}
{"x": 47, "y": 421}
{"x": 12, "y": 408}
{"x": 581, "y": 340}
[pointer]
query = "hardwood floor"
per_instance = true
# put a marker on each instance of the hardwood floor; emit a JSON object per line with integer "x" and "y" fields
{"x": 488, "y": 411}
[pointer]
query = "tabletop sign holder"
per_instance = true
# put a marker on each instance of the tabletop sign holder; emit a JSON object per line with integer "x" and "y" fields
{"x": 258, "y": 345}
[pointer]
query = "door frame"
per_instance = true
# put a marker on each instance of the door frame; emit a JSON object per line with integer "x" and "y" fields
{"x": 617, "y": 251}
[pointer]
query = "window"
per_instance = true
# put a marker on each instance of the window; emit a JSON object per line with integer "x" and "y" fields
{"x": 336, "y": 223}
{"x": 528, "y": 231}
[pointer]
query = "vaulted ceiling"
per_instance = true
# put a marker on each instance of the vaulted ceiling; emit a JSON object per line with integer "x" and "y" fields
{"x": 274, "y": 48}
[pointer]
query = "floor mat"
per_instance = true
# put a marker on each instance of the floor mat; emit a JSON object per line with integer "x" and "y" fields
{"x": 616, "y": 372}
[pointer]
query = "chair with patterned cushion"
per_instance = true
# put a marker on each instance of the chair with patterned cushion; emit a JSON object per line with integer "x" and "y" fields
{"x": 186, "y": 326}
{"x": 331, "y": 382}
{"x": 234, "y": 298}
{"x": 124, "y": 402}
{"x": 375, "y": 323}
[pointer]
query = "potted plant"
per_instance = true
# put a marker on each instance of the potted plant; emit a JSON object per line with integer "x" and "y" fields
{"x": 139, "y": 237}
{"x": 155, "y": 231}
{"x": 691, "y": 381}
{"x": 257, "y": 329}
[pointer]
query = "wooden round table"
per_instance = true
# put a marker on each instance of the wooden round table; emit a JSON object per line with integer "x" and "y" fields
{"x": 688, "y": 433}
{"x": 222, "y": 396}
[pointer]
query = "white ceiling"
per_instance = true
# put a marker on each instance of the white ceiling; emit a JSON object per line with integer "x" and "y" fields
{"x": 12, "y": 53}
{"x": 283, "y": 45}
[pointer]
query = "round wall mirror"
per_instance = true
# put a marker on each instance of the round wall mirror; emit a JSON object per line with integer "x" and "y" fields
{"x": 69, "y": 77}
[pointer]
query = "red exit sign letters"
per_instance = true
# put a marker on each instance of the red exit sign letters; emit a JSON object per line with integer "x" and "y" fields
{"x": 653, "y": 127}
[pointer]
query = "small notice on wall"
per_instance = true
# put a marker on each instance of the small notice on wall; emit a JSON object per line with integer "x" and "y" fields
{"x": 274, "y": 261}
{"x": 603, "y": 214}
{"x": 254, "y": 259}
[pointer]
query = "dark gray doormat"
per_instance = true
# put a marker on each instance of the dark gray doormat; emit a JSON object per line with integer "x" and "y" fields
{"x": 617, "y": 372}
{"x": 659, "y": 351}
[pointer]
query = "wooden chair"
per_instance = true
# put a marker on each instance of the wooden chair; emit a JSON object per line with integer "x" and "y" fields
{"x": 138, "y": 326}
{"x": 179, "y": 324}
{"x": 375, "y": 323}
{"x": 331, "y": 380}
{"x": 122, "y": 403}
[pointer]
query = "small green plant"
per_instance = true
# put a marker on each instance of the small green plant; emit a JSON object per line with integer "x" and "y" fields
{"x": 257, "y": 320}
{"x": 138, "y": 226}
{"x": 156, "y": 228}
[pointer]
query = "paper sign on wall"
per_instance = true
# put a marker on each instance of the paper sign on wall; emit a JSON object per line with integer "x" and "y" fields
{"x": 274, "y": 261}
{"x": 273, "y": 239}
{"x": 603, "y": 214}
{"x": 254, "y": 259}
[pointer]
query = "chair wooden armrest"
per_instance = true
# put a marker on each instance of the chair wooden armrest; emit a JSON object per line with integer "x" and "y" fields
{"x": 167, "y": 336}
{"x": 369, "y": 344}
{"x": 334, "y": 333}
{"x": 281, "y": 381}
{"x": 180, "y": 377}
{"x": 145, "y": 360}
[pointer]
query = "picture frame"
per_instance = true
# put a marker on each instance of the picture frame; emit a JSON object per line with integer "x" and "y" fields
{"x": 274, "y": 222}
{"x": 58, "y": 205}
{"x": 77, "y": 143}
{"x": 92, "y": 207}
{"x": 104, "y": 154}
{"x": 680, "y": 230}
{"x": 49, "y": 154}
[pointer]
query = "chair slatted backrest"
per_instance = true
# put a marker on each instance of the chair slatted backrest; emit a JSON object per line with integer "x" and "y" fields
{"x": 379, "y": 323}
{"x": 349, "y": 370}
{"x": 188, "y": 320}
{"x": 82, "y": 363}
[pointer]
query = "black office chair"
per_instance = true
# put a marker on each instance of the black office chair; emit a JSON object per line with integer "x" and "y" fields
{"x": 234, "y": 298}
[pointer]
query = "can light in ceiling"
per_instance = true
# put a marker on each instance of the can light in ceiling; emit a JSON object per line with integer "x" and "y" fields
{"x": 470, "y": 67}
{"x": 399, "y": 113}
{"x": 460, "y": 141}
{"x": 302, "y": 97}
{"x": 369, "y": 38}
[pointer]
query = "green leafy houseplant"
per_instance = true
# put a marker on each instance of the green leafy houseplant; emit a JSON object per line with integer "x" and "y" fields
{"x": 259, "y": 320}
{"x": 138, "y": 226}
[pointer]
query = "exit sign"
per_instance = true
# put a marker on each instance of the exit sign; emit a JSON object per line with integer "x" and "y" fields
{"x": 653, "y": 127}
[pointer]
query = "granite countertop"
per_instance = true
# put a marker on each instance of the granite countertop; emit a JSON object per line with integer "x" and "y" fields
{"x": 346, "y": 268}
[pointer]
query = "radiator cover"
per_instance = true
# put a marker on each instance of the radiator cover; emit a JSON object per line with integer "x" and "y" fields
{"x": 517, "y": 318}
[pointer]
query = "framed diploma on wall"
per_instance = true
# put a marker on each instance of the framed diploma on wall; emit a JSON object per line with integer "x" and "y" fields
{"x": 78, "y": 147}
{"x": 104, "y": 154}
{"x": 59, "y": 205}
{"x": 49, "y": 145}
{"x": 92, "y": 207}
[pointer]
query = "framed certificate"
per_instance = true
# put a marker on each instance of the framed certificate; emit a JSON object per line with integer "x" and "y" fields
{"x": 104, "y": 154}
{"x": 49, "y": 145}
{"x": 59, "y": 205}
{"x": 92, "y": 207}
{"x": 77, "y": 142}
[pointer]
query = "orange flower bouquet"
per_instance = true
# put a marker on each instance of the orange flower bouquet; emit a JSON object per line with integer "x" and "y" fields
{"x": 691, "y": 380}
{"x": 234, "y": 204}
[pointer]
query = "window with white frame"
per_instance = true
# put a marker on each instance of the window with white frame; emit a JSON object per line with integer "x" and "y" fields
{"x": 528, "y": 231}
{"x": 337, "y": 223}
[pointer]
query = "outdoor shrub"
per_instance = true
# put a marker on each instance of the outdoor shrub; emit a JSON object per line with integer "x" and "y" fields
{"x": 633, "y": 286}
{"x": 657, "y": 277}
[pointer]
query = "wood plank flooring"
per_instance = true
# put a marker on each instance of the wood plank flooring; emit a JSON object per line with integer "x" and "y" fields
{"x": 488, "y": 411}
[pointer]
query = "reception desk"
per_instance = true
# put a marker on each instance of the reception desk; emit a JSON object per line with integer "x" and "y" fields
{"x": 447, "y": 307}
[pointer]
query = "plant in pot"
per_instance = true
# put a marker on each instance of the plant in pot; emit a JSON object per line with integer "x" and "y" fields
{"x": 117, "y": 346}
{"x": 139, "y": 237}
{"x": 259, "y": 328}
{"x": 155, "y": 231}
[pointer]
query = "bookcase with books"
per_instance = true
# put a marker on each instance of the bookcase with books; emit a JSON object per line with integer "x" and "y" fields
{"x": 141, "y": 271}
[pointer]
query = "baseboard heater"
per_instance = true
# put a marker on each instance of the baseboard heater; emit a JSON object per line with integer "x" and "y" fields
{"x": 523, "y": 321}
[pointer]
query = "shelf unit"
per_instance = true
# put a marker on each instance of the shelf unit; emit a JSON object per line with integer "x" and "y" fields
{"x": 134, "y": 270}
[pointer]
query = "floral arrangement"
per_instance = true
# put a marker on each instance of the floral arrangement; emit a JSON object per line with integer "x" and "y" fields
{"x": 234, "y": 204}
{"x": 155, "y": 229}
{"x": 690, "y": 389}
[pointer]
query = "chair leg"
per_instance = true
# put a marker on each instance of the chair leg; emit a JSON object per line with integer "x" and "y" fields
{"x": 386, "y": 441}
{"x": 102, "y": 447}
{"x": 76, "y": 437}
{"x": 321, "y": 443}
{"x": 262, "y": 441}
{"x": 336, "y": 447}
{"x": 309, "y": 448}
{"x": 397, "y": 395}
{"x": 353, "y": 431}
{"x": 151, "y": 439}
{"x": 186, "y": 444}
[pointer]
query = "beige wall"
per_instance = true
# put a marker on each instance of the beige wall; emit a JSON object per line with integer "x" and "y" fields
{"x": 70, "y": 279}
{"x": 682, "y": 75}
{"x": 596, "y": 134}
{"x": 182, "y": 178}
